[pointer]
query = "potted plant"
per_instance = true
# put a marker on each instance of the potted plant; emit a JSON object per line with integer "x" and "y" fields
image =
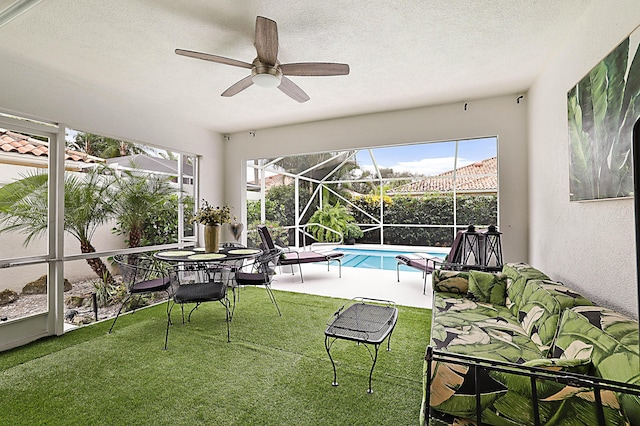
{"x": 212, "y": 217}
{"x": 351, "y": 233}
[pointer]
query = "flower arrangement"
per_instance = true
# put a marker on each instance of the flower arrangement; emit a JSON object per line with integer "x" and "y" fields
{"x": 209, "y": 215}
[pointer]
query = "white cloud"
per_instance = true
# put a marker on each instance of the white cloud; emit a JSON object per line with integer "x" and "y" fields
{"x": 428, "y": 166}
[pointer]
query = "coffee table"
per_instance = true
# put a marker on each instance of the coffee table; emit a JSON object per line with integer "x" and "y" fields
{"x": 365, "y": 321}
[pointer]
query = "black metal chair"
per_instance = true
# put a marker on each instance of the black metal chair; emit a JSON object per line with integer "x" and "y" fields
{"x": 141, "y": 274}
{"x": 199, "y": 283}
{"x": 231, "y": 244}
{"x": 261, "y": 273}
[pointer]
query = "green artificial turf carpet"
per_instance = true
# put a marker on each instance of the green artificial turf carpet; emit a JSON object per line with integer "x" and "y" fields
{"x": 275, "y": 371}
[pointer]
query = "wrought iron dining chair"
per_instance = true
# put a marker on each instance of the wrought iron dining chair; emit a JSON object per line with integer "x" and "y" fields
{"x": 199, "y": 283}
{"x": 141, "y": 274}
{"x": 260, "y": 273}
{"x": 232, "y": 267}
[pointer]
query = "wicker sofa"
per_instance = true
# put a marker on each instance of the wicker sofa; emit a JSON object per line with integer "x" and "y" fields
{"x": 517, "y": 348}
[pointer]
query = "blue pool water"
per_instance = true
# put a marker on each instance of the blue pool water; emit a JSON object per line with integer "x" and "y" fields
{"x": 376, "y": 259}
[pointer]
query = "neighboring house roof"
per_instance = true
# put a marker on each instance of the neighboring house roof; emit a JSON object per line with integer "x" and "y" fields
{"x": 16, "y": 143}
{"x": 481, "y": 176}
{"x": 270, "y": 182}
{"x": 152, "y": 164}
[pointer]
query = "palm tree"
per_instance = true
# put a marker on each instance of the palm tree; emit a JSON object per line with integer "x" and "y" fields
{"x": 104, "y": 147}
{"x": 88, "y": 204}
{"x": 139, "y": 195}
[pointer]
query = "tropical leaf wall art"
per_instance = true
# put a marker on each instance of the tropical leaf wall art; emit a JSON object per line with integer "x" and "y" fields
{"x": 603, "y": 108}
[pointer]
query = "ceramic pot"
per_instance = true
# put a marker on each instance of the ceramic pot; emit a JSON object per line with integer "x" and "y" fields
{"x": 211, "y": 238}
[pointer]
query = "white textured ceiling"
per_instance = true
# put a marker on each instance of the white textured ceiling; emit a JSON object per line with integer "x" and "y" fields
{"x": 402, "y": 53}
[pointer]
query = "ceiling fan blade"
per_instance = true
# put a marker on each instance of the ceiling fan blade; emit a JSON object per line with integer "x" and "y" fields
{"x": 238, "y": 87}
{"x": 314, "y": 68}
{"x": 266, "y": 40}
{"x": 213, "y": 58}
{"x": 292, "y": 90}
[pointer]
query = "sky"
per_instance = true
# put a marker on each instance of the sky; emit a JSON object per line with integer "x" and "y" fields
{"x": 429, "y": 158}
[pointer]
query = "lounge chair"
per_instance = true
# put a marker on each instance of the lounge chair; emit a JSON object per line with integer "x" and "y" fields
{"x": 465, "y": 255}
{"x": 427, "y": 264}
{"x": 291, "y": 258}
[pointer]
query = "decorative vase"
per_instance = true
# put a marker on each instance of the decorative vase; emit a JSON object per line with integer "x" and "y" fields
{"x": 236, "y": 230}
{"x": 211, "y": 238}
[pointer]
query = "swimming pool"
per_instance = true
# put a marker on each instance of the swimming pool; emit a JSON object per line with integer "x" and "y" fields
{"x": 377, "y": 259}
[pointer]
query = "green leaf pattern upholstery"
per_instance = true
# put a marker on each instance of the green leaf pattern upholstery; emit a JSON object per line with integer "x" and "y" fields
{"x": 544, "y": 324}
{"x": 450, "y": 281}
{"x": 610, "y": 340}
{"x": 517, "y": 276}
{"x": 487, "y": 287}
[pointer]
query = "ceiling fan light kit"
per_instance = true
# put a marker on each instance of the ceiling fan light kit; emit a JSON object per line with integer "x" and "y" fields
{"x": 266, "y": 70}
{"x": 266, "y": 76}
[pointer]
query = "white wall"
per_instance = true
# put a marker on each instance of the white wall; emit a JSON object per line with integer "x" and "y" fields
{"x": 590, "y": 245}
{"x": 501, "y": 116}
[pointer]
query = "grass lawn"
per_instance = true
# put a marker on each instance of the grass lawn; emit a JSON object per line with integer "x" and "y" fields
{"x": 275, "y": 371}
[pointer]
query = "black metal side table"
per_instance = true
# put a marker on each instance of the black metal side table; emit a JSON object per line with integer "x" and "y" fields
{"x": 362, "y": 320}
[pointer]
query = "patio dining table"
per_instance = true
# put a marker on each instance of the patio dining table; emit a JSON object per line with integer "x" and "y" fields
{"x": 197, "y": 255}
{"x": 231, "y": 256}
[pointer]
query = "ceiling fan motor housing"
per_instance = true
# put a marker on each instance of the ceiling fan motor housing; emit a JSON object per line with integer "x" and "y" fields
{"x": 265, "y": 75}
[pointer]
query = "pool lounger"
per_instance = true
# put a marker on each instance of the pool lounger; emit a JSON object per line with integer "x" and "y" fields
{"x": 420, "y": 261}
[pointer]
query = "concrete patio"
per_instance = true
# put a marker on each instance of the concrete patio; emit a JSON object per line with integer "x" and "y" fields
{"x": 358, "y": 282}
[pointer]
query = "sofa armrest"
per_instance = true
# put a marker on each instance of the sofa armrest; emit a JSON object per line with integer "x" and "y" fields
{"x": 526, "y": 385}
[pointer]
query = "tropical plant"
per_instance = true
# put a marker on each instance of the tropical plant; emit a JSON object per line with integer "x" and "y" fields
{"x": 138, "y": 196}
{"x": 106, "y": 292}
{"x": 352, "y": 231}
{"x": 104, "y": 147}
{"x": 161, "y": 225}
{"x": 330, "y": 216}
{"x": 602, "y": 110}
{"x": 88, "y": 204}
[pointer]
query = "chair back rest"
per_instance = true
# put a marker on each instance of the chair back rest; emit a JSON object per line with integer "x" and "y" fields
{"x": 267, "y": 261}
{"x": 199, "y": 273}
{"x": 135, "y": 268}
{"x": 455, "y": 254}
{"x": 231, "y": 244}
{"x": 265, "y": 236}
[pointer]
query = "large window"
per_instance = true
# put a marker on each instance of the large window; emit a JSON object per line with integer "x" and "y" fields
{"x": 116, "y": 195}
{"x": 418, "y": 194}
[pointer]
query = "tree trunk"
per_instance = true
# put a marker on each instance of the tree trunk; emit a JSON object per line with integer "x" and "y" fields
{"x": 96, "y": 264}
{"x": 135, "y": 236}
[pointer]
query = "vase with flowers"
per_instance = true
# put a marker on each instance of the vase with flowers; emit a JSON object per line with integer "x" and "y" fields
{"x": 212, "y": 218}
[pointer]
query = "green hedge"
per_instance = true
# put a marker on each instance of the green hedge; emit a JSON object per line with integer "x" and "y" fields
{"x": 480, "y": 210}
{"x": 433, "y": 209}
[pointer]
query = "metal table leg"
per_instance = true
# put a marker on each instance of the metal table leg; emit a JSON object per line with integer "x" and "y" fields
{"x": 375, "y": 358}
{"x": 327, "y": 346}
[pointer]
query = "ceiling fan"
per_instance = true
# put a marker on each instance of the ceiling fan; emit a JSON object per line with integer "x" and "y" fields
{"x": 266, "y": 70}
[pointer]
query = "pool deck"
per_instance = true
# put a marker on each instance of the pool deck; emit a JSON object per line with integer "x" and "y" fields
{"x": 357, "y": 282}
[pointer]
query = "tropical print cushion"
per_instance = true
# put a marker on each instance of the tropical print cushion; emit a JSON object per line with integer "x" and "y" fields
{"x": 461, "y": 325}
{"x": 551, "y": 320}
{"x": 542, "y": 304}
{"x": 487, "y": 287}
{"x": 575, "y": 365}
{"x": 517, "y": 276}
{"x": 597, "y": 333}
{"x": 450, "y": 281}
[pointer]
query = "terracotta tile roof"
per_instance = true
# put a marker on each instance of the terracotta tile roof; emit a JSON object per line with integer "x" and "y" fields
{"x": 22, "y": 144}
{"x": 477, "y": 177}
